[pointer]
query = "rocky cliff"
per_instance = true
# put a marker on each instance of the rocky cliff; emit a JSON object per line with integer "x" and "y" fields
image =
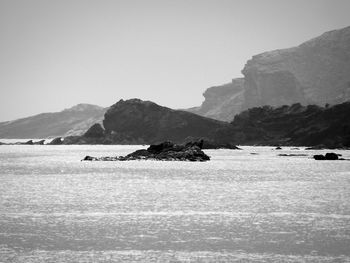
{"x": 222, "y": 102}
{"x": 144, "y": 122}
{"x": 72, "y": 121}
{"x": 315, "y": 72}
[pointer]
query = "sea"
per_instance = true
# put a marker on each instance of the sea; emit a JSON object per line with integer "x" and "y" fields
{"x": 249, "y": 205}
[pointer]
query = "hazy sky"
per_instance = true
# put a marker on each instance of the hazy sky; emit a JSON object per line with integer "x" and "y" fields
{"x": 55, "y": 54}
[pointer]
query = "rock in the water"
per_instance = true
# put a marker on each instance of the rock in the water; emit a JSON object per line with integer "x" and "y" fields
{"x": 319, "y": 157}
{"x": 331, "y": 156}
{"x": 166, "y": 151}
{"x": 278, "y": 148}
{"x": 89, "y": 158}
{"x": 327, "y": 156}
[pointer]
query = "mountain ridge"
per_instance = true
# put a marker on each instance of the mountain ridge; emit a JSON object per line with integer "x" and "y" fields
{"x": 71, "y": 121}
{"x": 314, "y": 72}
{"x": 135, "y": 121}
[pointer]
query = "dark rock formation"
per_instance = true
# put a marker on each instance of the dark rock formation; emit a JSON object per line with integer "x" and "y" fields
{"x": 222, "y": 102}
{"x": 331, "y": 156}
{"x": 73, "y": 121}
{"x": 166, "y": 151}
{"x": 143, "y": 122}
{"x": 56, "y": 141}
{"x": 41, "y": 142}
{"x": 95, "y": 131}
{"x": 327, "y": 156}
{"x": 319, "y": 157}
{"x": 291, "y": 125}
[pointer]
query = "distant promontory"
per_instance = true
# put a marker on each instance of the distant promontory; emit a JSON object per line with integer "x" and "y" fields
{"x": 316, "y": 72}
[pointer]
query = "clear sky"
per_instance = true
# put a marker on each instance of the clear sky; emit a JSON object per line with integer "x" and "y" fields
{"x": 55, "y": 54}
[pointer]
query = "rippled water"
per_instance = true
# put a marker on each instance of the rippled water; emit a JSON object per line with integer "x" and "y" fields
{"x": 239, "y": 207}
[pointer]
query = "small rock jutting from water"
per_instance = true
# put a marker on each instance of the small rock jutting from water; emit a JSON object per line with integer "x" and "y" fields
{"x": 327, "y": 156}
{"x": 278, "y": 148}
{"x": 166, "y": 151}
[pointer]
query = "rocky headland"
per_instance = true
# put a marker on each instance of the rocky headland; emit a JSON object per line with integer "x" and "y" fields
{"x": 294, "y": 125}
{"x": 315, "y": 72}
{"x": 143, "y": 122}
{"x": 139, "y": 122}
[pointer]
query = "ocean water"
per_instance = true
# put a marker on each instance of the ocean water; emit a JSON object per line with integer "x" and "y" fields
{"x": 242, "y": 206}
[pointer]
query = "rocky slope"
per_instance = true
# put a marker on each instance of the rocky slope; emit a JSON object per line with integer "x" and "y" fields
{"x": 315, "y": 72}
{"x": 72, "y": 121}
{"x": 144, "y": 122}
{"x": 291, "y": 125}
{"x": 222, "y": 102}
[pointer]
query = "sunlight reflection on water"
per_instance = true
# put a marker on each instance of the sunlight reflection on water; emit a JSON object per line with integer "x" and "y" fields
{"x": 238, "y": 206}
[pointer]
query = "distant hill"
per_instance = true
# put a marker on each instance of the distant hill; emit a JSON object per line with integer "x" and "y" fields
{"x": 72, "y": 121}
{"x": 315, "y": 72}
{"x": 144, "y": 122}
{"x": 295, "y": 125}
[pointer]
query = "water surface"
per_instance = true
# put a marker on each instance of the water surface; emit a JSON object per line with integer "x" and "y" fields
{"x": 238, "y": 207}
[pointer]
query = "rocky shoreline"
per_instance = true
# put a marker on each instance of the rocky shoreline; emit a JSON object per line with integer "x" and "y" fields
{"x": 166, "y": 151}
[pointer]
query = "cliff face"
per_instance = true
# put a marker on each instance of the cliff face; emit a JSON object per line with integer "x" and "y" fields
{"x": 316, "y": 72}
{"x": 147, "y": 122}
{"x": 222, "y": 102}
{"x": 72, "y": 121}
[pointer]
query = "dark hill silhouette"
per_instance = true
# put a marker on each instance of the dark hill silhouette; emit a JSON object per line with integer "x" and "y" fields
{"x": 291, "y": 125}
{"x": 144, "y": 122}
